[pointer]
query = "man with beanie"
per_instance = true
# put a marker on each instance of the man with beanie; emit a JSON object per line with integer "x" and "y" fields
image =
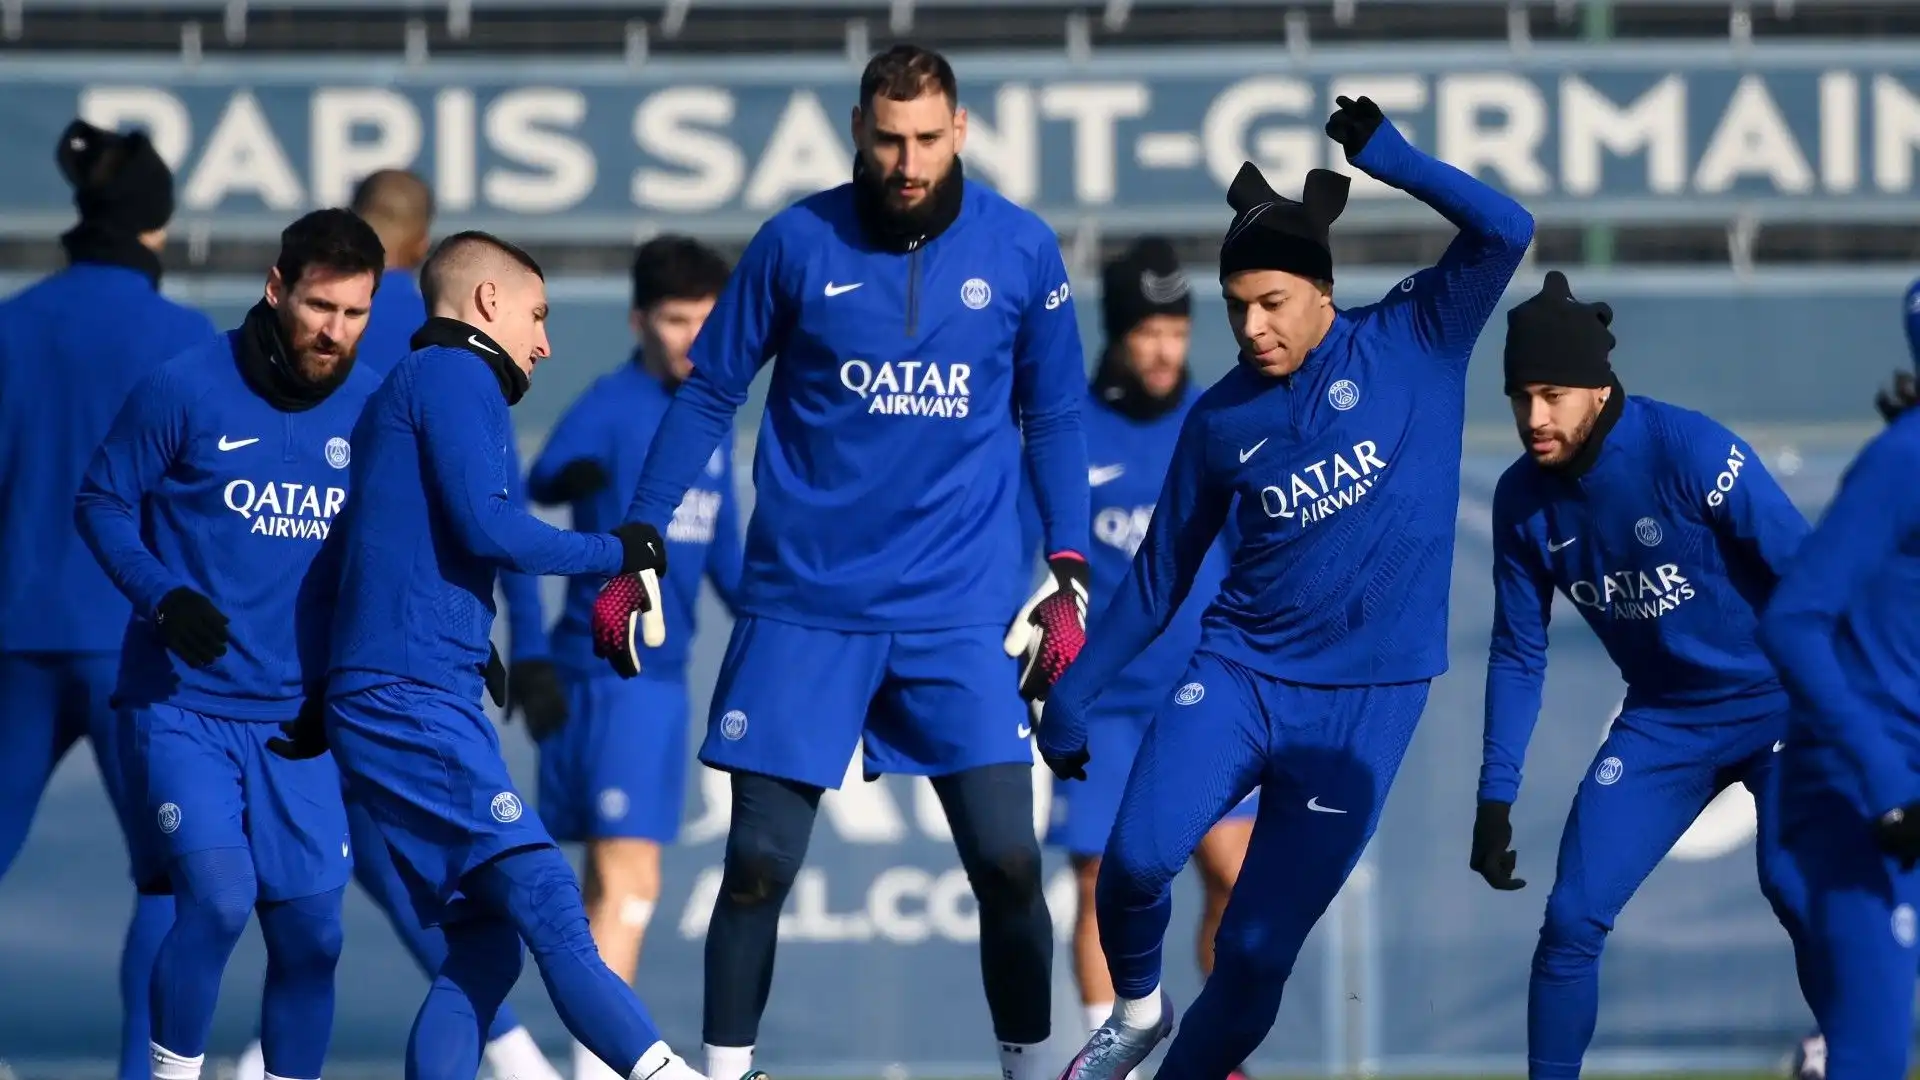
{"x": 1668, "y": 534}
{"x": 71, "y": 347}
{"x": 1139, "y": 397}
{"x": 1335, "y": 446}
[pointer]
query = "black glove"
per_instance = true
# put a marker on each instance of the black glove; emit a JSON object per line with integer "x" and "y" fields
{"x": 304, "y": 737}
{"x": 192, "y": 627}
{"x": 1898, "y": 834}
{"x": 533, "y": 688}
{"x": 1492, "y": 838}
{"x": 578, "y": 479}
{"x": 642, "y": 548}
{"x": 496, "y": 675}
{"x": 1069, "y": 766}
{"x": 1354, "y": 123}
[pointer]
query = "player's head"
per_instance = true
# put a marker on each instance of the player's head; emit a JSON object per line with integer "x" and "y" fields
{"x": 908, "y": 129}
{"x": 1558, "y": 375}
{"x": 1902, "y": 394}
{"x": 321, "y": 289}
{"x": 491, "y": 285}
{"x": 1148, "y": 311}
{"x": 120, "y": 184}
{"x": 675, "y": 281}
{"x": 399, "y": 206}
{"x": 1276, "y": 267}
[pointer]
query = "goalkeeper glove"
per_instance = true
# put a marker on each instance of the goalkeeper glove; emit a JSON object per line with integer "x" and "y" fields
{"x": 627, "y": 610}
{"x": 192, "y": 627}
{"x": 1898, "y": 834}
{"x": 533, "y": 689}
{"x": 1051, "y": 628}
{"x": 1492, "y": 837}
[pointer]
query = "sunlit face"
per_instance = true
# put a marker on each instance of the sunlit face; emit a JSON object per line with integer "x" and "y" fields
{"x": 1555, "y": 421}
{"x": 1156, "y": 350}
{"x": 1277, "y": 317}
{"x": 322, "y": 317}
{"x": 516, "y": 314}
{"x": 666, "y": 330}
{"x": 910, "y": 145}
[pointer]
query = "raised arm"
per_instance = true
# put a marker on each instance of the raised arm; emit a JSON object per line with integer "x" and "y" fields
{"x": 1517, "y": 655}
{"x": 1050, "y": 381}
{"x": 146, "y": 437}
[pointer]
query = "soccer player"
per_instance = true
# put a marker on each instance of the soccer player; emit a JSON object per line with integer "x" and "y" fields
{"x": 615, "y": 776}
{"x": 432, "y": 522}
{"x": 1139, "y": 396}
{"x": 207, "y": 504}
{"x": 1841, "y": 630}
{"x": 64, "y": 372}
{"x": 1668, "y": 534}
{"x": 1339, "y": 432}
{"x": 923, "y": 323}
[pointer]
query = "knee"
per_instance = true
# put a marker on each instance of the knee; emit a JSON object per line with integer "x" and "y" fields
{"x": 1006, "y": 872}
{"x": 1252, "y": 965}
{"x": 304, "y": 934}
{"x": 1133, "y": 873}
{"x": 760, "y": 868}
{"x": 1569, "y": 932}
{"x": 483, "y": 951}
{"x": 537, "y": 893}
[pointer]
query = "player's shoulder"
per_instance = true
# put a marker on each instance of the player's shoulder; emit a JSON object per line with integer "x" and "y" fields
{"x": 1007, "y": 221}
{"x": 823, "y": 217}
{"x": 1518, "y": 492}
{"x": 207, "y": 367}
{"x": 1679, "y": 435}
{"x": 1898, "y": 446}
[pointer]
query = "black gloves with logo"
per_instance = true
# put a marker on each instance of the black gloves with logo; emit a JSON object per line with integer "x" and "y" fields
{"x": 642, "y": 548}
{"x": 191, "y": 627}
{"x": 1492, "y": 856}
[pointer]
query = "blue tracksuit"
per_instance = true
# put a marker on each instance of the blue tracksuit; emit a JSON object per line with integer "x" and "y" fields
{"x": 1668, "y": 546}
{"x": 1314, "y": 659}
{"x": 432, "y": 522}
{"x": 398, "y": 311}
{"x": 203, "y": 484}
{"x": 883, "y": 558}
{"x": 1842, "y": 630}
{"x": 619, "y": 766}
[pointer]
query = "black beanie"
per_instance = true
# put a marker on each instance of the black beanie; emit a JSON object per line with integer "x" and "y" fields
{"x": 1557, "y": 340}
{"x": 1274, "y": 233}
{"x": 1143, "y": 282}
{"x": 119, "y": 182}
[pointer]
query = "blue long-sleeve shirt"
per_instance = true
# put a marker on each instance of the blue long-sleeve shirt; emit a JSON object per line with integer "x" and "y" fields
{"x": 526, "y": 621}
{"x": 1669, "y": 548}
{"x": 1844, "y": 627}
{"x": 1347, "y": 474}
{"x": 612, "y": 425}
{"x": 888, "y": 472}
{"x": 71, "y": 347}
{"x": 432, "y": 522}
{"x": 398, "y": 311}
{"x": 201, "y": 483}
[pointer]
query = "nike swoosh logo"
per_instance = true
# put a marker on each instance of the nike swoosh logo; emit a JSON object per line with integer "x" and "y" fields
{"x": 836, "y": 290}
{"x": 1025, "y": 730}
{"x": 474, "y": 340}
{"x": 1254, "y": 449}
{"x": 1104, "y": 474}
{"x": 1313, "y": 804}
{"x": 235, "y": 444}
{"x": 1553, "y": 546}
{"x": 1779, "y": 746}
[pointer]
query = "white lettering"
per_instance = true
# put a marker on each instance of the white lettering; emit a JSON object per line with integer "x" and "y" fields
{"x": 674, "y": 127}
{"x": 1228, "y": 138}
{"x": 1311, "y": 496}
{"x": 454, "y": 157}
{"x": 1094, "y": 108}
{"x": 1630, "y": 595}
{"x": 1398, "y": 96}
{"x": 161, "y": 114}
{"x": 339, "y": 159}
{"x": 1839, "y": 131}
{"x": 1753, "y": 138}
{"x": 1723, "y": 483}
{"x": 1510, "y": 148}
{"x": 518, "y": 127}
{"x": 805, "y": 155}
{"x": 1896, "y": 131}
{"x": 1655, "y": 122}
{"x": 1007, "y": 152}
{"x": 242, "y": 156}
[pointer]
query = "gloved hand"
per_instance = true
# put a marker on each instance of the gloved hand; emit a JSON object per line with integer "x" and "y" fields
{"x": 1353, "y": 123}
{"x": 1492, "y": 838}
{"x": 578, "y": 479}
{"x": 192, "y": 627}
{"x": 305, "y": 736}
{"x": 1051, "y": 628}
{"x": 1067, "y": 762}
{"x": 627, "y": 610}
{"x": 495, "y": 673}
{"x": 533, "y": 689}
{"x": 1898, "y": 834}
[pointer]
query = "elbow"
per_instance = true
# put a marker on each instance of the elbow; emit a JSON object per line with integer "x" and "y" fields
{"x": 1512, "y": 230}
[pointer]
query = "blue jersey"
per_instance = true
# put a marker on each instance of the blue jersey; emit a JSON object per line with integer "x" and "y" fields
{"x": 433, "y": 521}
{"x": 1844, "y": 627}
{"x": 71, "y": 347}
{"x": 1346, "y": 473}
{"x": 203, "y": 484}
{"x": 526, "y": 620}
{"x": 398, "y": 311}
{"x": 1669, "y": 547}
{"x": 612, "y": 424}
{"x": 889, "y": 465}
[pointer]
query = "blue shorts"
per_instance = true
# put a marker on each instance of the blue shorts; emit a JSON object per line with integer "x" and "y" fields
{"x": 207, "y": 783}
{"x": 619, "y": 766}
{"x": 49, "y": 701}
{"x": 794, "y": 702}
{"x": 426, "y": 765}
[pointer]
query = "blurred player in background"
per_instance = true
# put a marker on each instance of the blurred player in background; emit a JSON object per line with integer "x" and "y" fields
{"x": 923, "y": 323}
{"x": 71, "y": 347}
{"x": 1340, "y": 433}
{"x": 615, "y": 776}
{"x": 207, "y": 504}
{"x": 433, "y": 520}
{"x": 1140, "y": 394}
{"x": 1668, "y": 534}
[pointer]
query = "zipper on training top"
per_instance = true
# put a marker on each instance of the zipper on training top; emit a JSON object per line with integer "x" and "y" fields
{"x": 913, "y": 292}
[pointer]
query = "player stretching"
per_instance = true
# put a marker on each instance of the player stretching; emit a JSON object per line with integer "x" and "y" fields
{"x": 1339, "y": 432}
{"x": 922, "y": 324}
{"x": 615, "y": 776}
{"x": 1843, "y": 632}
{"x": 1668, "y": 534}
{"x": 432, "y": 521}
{"x": 207, "y": 505}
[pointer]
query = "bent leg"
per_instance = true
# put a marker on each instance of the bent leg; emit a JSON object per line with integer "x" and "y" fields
{"x": 302, "y": 938}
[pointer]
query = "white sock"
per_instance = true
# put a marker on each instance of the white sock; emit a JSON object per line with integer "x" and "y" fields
{"x": 1020, "y": 1061}
{"x": 252, "y": 1064}
{"x": 1140, "y": 1014}
{"x": 588, "y": 1067}
{"x": 270, "y": 1076}
{"x": 1097, "y": 1014}
{"x": 168, "y": 1065}
{"x": 661, "y": 1063}
{"x": 515, "y": 1056}
{"x": 728, "y": 1062}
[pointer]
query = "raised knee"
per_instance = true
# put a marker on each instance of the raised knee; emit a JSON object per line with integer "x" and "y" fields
{"x": 759, "y": 869}
{"x": 1132, "y": 874}
{"x": 1007, "y": 875}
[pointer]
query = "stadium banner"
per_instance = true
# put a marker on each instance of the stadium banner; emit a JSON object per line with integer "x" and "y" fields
{"x": 580, "y": 149}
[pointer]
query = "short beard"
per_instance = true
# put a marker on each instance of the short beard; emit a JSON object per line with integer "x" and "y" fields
{"x": 920, "y": 213}
{"x": 1580, "y": 436}
{"x": 310, "y": 367}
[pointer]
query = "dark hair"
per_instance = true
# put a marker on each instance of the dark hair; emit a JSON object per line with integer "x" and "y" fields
{"x": 1896, "y": 399}
{"x": 905, "y": 72}
{"x": 334, "y": 239}
{"x": 673, "y": 267}
{"x": 430, "y": 271}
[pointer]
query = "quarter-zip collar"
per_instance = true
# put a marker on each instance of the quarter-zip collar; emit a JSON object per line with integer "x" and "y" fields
{"x": 454, "y": 334}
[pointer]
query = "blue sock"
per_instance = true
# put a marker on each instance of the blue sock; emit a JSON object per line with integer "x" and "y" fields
{"x": 213, "y": 893}
{"x": 302, "y": 937}
{"x": 483, "y": 962}
{"x": 152, "y": 918}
